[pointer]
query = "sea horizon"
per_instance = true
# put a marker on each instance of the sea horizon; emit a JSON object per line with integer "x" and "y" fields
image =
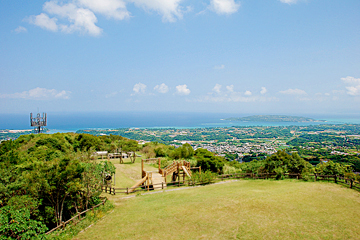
{"x": 71, "y": 122}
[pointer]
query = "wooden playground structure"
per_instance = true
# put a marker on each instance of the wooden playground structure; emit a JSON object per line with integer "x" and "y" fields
{"x": 157, "y": 179}
{"x": 116, "y": 155}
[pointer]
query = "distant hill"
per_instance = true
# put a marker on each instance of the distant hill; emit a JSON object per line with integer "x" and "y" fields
{"x": 273, "y": 118}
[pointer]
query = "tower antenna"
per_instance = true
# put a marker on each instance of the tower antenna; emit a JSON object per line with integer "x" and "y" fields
{"x": 38, "y": 122}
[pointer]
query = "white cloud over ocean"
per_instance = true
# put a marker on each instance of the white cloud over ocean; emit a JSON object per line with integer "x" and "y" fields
{"x": 182, "y": 90}
{"x": 295, "y": 91}
{"x": 353, "y": 85}
{"x": 162, "y": 88}
{"x": 39, "y": 94}
{"x": 289, "y": 1}
{"x": 139, "y": 88}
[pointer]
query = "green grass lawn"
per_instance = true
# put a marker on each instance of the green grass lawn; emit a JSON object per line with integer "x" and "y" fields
{"x": 127, "y": 173}
{"x": 246, "y": 209}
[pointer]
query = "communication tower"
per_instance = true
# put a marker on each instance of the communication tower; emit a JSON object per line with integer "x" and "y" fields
{"x": 38, "y": 122}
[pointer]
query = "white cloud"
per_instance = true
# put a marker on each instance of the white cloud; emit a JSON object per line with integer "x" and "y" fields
{"x": 110, "y": 8}
{"x": 110, "y": 95}
{"x": 218, "y": 67}
{"x": 234, "y": 97}
{"x": 289, "y": 1}
{"x": 230, "y": 88}
{"x": 139, "y": 88}
{"x": 224, "y": 6}
{"x": 217, "y": 88}
{"x": 293, "y": 92}
{"x": 169, "y": 9}
{"x": 247, "y": 93}
{"x": 263, "y": 90}
{"x": 162, "y": 88}
{"x": 351, "y": 80}
{"x": 182, "y": 90}
{"x": 44, "y": 21}
{"x": 353, "y": 88}
{"x": 79, "y": 15}
{"x": 39, "y": 94}
{"x": 20, "y": 29}
{"x": 81, "y": 20}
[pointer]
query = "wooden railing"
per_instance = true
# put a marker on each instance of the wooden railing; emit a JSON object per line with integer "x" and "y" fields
{"x": 335, "y": 178}
{"x": 174, "y": 167}
{"x": 77, "y": 217}
{"x": 151, "y": 160}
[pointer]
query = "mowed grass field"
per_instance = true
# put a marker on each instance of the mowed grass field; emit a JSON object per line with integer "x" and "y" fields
{"x": 127, "y": 173}
{"x": 245, "y": 209}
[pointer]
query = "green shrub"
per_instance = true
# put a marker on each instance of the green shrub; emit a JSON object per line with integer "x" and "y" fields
{"x": 202, "y": 178}
{"x": 305, "y": 174}
{"x": 280, "y": 173}
{"x": 16, "y": 224}
{"x": 207, "y": 161}
{"x": 331, "y": 168}
{"x": 351, "y": 176}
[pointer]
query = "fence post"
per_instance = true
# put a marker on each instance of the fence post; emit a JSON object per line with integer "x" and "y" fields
{"x": 162, "y": 185}
{"x": 351, "y": 183}
{"x": 315, "y": 176}
{"x": 335, "y": 178}
{"x": 127, "y": 190}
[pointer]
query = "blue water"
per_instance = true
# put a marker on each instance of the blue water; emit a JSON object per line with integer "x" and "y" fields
{"x": 71, "y": 122}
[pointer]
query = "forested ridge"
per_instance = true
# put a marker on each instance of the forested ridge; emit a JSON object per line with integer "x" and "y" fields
{"x": 45, "y": 179}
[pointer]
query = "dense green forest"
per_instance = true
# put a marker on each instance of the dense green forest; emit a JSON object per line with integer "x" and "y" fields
{"x": 45, "y": 179}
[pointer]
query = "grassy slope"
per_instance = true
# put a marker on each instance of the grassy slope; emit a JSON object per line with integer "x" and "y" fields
{"x": 245, "y": 209}
{"x": 127, "y": 174}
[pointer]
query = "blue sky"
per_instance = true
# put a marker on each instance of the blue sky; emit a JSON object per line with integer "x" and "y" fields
{"x": 247, "y": 56}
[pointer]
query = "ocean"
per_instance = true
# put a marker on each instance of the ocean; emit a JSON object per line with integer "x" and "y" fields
{"x": 71, "y": 122}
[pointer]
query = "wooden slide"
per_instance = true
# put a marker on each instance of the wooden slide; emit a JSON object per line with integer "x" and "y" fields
{"x": 138, "y": 183}
{"x": 186, "y": 171}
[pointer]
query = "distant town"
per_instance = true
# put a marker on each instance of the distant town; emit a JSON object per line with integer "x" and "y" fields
{"x": 314, "y": 143}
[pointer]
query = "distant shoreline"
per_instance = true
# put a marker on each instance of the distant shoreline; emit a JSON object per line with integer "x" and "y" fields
{"x": 72, "y": 123}
{"x": 275, "y": 118}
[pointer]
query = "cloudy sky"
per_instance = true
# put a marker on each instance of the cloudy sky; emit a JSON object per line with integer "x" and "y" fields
{"x": 231, "y": 56}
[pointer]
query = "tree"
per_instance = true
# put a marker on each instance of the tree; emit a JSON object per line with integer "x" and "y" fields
{"x": 207, "y": 161}
{"x": 16, "y": 224}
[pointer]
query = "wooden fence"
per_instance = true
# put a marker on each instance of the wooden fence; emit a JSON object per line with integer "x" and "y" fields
{"x": 334, "y": 178}
{"x": 77, "y": 217}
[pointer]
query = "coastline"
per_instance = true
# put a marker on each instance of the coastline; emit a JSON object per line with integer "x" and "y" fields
{"x": 74, "y": 122}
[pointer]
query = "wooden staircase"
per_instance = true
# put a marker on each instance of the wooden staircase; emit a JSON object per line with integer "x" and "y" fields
{"x": 176, "y": 167}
